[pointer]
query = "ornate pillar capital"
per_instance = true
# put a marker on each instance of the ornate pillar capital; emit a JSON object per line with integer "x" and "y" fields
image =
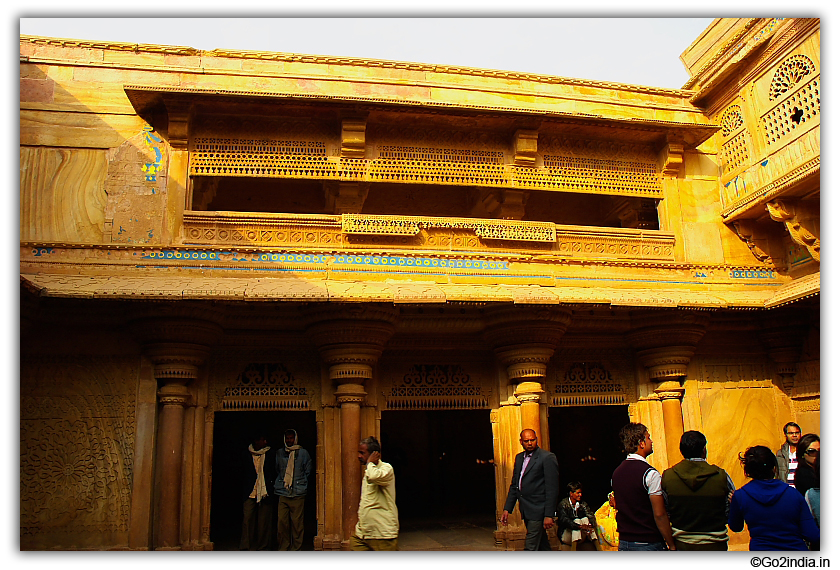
{"x": 350, "y": 394}
{"x": 665, "y": 341}
{"x": 525, "y": 338}
{"x": 669, "y": 390}
{"x": 529, "y": 392}
{"x": 783, "y": 337}
{"x": 177, "y": 346}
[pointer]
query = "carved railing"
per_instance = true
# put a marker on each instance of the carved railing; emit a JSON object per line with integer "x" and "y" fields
{"x": 355, "y": 231}
{"x": 420, "y": 165}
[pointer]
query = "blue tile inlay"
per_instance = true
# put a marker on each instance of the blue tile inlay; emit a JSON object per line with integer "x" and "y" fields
{"x": 752, "y": 274}
{"x": 402, "y": 261}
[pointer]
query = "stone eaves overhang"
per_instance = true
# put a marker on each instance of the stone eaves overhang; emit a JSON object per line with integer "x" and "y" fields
{"x": 154, "y": 103}
{"x": 256, "y": 289}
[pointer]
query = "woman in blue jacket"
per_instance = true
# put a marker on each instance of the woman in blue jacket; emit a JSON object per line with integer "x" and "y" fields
{"x": 777, "y": 515}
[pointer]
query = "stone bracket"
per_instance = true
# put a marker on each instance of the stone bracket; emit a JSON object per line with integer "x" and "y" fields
{"x": 353, "y": 138}
{"x": 638, "y": 213}
{"x": 756, "y": 240}
{"x": 671, "y": 155}
{"x": 798, "y": 221}
{"x": 346, "y": 197}
{"x": 179, "y": 113}
{"x": 525, "y": 147}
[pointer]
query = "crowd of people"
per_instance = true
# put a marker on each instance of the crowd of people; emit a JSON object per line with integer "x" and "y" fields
{"x": 690, "y": 506}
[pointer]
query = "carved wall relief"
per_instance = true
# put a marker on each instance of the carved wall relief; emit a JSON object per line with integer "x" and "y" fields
{"x": 76, "y": 451}
{"x": 263, "y": 386}
{"x": 590, "y": 382}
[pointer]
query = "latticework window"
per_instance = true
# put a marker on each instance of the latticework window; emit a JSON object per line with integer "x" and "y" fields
{"x": 789, "y": 73}
{"x": 732, "y": 120}
{"x": 796, "y": 110}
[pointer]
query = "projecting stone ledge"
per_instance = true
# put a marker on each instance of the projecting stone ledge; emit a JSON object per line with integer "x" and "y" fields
{"x": 290, "y": 289}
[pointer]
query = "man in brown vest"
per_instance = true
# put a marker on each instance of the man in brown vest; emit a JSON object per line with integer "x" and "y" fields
{"x": 697, "y": 496}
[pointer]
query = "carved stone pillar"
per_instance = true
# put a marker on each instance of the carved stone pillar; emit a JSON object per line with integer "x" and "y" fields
{"x": 524, "y": 340}
{"x": 177, "y": 347}
{"x": 665, "y": 342}
{"x": 173, "y": 398}
{"x": 350, "y": 341}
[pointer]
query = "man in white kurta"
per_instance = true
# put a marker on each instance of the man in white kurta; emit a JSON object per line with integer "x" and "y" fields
{"x": 379, "y": 523}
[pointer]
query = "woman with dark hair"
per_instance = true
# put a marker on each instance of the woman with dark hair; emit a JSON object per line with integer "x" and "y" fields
{"x": 812, "y": 499}
{"x": 807, "y": 451}
{"x": 777, "y": 515}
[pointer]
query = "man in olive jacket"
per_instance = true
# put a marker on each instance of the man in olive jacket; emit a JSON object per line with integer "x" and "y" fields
{"x": 536, "y": 486}
{"x": 697, "y": 497}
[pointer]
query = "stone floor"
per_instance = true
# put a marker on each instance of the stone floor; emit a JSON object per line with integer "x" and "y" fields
{"x": 467, "y": 533}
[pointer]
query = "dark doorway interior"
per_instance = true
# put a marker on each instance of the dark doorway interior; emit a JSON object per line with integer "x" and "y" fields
{"x": 443, "y": 461}
{"x": 585, "y": 441}
{"x": 232, "y": 433}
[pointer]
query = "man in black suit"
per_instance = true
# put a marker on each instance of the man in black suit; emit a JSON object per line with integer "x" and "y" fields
{"x": 536, "y": 485}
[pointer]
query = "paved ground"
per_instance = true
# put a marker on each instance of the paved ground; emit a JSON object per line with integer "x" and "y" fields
{"x": 452, "y": 535}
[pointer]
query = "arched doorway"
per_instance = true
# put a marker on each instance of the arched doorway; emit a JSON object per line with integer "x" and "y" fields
{"x": 233, "y": 432}
{"x": 443, "y": 460}
{"x": 585, "y": 441}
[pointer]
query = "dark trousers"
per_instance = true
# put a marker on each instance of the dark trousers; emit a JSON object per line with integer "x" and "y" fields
{"x": 289, "y": 522}
{"x": 536, "y": 539}
{"x": 357, "y": 543}
{"x": 256, "y": 525}
{"x": 641, "y": 546}
{"x": 706, "y": 546}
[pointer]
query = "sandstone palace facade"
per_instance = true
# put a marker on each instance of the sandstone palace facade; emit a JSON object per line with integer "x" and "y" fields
{"x": 215, "y": 242}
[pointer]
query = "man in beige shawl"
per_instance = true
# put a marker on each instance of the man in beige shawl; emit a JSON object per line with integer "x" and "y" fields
{"x": 257, "y": 480}
{"x": 293, "y": 468}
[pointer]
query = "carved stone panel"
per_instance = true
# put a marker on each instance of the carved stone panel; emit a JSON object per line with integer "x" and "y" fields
{"x": 436, "y": 387}
{"x": 76, "y": 451}
{"x": 589, "y": 382}
{"x": 264, "y": 387}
